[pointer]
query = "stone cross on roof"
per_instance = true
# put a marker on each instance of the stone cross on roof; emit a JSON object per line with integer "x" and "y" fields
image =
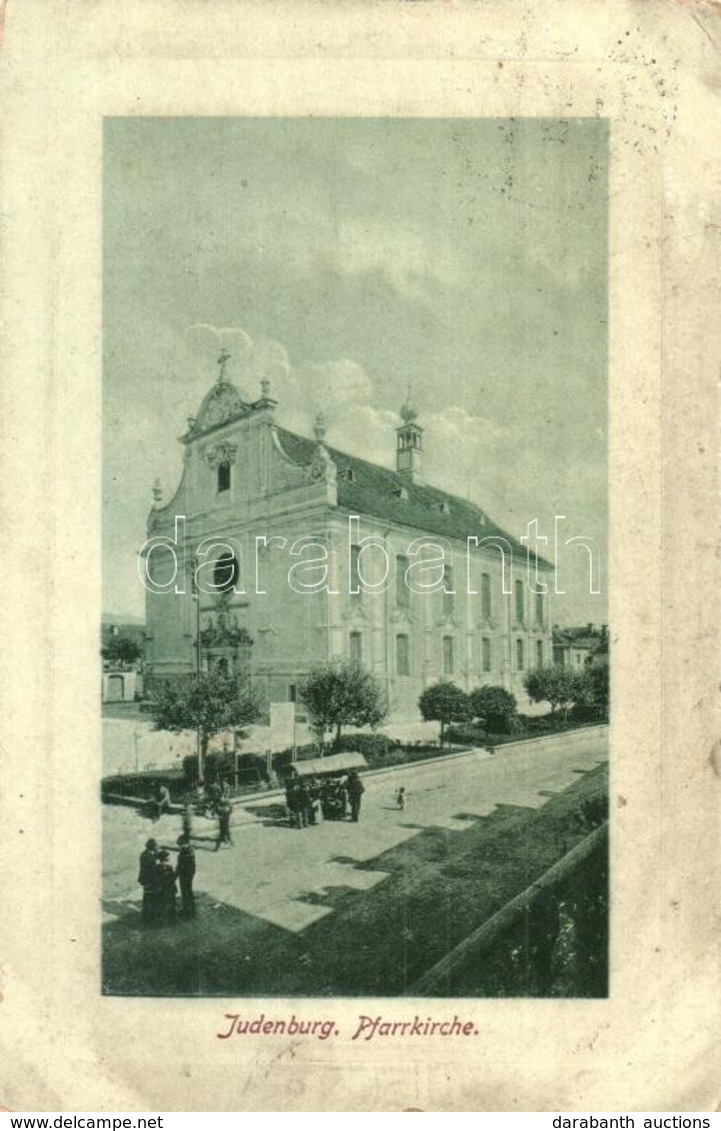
{"x": 222, "y": 362}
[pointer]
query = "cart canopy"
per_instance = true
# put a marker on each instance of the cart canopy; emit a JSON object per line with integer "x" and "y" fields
{"x": 333, "y": 764}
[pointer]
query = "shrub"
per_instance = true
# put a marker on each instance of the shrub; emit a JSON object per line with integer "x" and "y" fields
{"x": 495, "y": 706}
{"x": 144, "y": 784}
{"x": 584, "y": 713}
{"x": 373, "y": 747}
{"x": 467, "y": 735}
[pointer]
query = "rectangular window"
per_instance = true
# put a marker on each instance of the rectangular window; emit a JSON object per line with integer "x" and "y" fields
{"x": 486, "y": 654}
{"x": 539, "y": 608}
{"x": 520, "y": 608}
{"x": 448, "y": 594}
{"x": 486, "y": 609}
{"x": 403, "y": 593}
{"x": 403, "y": 655}
{"x": 449, "y": 660}
{"x": 356, "y": 648}
{"x": 539, "y": 653}
{"x": 292, "y": 693}
{"x": 520, "y": 657}
{"x": 223, "y": 476}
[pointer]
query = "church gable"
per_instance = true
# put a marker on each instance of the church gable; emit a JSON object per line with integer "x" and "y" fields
{"x": 222, "y": 405}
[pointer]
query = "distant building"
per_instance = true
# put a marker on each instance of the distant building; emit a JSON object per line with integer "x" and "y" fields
{"x": 282, "y": 524}
{"x": 122, "y": 679}
{"x": 578, "y": 647}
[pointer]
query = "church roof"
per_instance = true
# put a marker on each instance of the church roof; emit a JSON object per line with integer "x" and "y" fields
{"x": 366, "y": 488}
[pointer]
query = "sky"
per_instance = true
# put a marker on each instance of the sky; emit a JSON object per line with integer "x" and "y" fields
{"x": 349, "y": 260}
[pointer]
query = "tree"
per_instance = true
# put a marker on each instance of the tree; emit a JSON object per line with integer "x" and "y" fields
{"x": 342, "y": 694}
{"x": 209, "y": 702}
{"x": 556, "y": 685}
{"x": 444, "y": 703}
{"x": 597, "y": 689}
{"x": 495, "y": 706}
{"x": 123, "y": 650}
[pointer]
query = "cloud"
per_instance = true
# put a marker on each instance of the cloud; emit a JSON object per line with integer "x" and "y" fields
{"x": 410, "y": 258}
{"x": 250, "y": 361}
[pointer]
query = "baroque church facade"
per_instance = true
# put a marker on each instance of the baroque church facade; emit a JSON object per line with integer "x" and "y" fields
{"x": 279, "y": 553}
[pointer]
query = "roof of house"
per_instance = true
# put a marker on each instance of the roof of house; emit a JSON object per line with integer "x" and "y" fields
{"x": 573, "y": 639}
{"x": 366, "y": 488}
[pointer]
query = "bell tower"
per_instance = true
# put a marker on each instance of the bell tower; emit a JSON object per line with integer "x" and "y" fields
{"x": 409, "y": 445}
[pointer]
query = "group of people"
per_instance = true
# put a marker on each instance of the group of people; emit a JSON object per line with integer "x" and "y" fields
{"x": 211, "y": 802}
{"x": 159, "y": 879}
{"x": 309, "y": 799}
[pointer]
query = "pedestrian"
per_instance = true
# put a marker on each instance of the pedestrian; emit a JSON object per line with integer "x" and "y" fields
{"x": 214, "y": 795}
{"x": 188, "y": 820}
{"x": 303, "y": 803}
{"x": 401, "y": 798}
{"x": 224, "y": 811}
{"x": 147, "y": 877}
{"x": 162, "y": 802}
{"x": 313, "y": 801}
{"x": 167, "y": 891}
{"x": 355, "y": 790}
{"x": 290, "y": 802}
{"x": 185, "y": 871}
{"x": 200, "y": 798}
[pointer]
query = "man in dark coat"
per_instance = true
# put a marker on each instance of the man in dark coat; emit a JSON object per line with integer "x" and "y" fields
{"x": 184, "y": 871}
{"x": 167, "y": 891}
{"x": 302, "y": 801}
{"x": 147, "y": 877}
{"x": 355, "y": 790}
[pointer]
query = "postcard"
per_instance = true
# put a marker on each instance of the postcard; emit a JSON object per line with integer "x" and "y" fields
{"x": 360, "y": 457}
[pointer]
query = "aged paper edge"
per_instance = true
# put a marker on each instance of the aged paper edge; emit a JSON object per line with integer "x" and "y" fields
{"x": 653, "y": 1044}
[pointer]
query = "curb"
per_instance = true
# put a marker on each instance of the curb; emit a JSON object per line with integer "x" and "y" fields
{"x": 580, "y": 732}
{"x": 483, "y": 752}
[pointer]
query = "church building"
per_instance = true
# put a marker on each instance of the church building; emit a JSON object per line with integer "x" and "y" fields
{"x": 279, "y": 553}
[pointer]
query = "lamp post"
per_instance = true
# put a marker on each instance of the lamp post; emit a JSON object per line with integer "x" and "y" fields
{"x": 198, "y": 646}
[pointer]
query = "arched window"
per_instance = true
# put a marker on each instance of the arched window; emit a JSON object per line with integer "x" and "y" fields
{"x": 226, "y": 573}
{"x": 448, "y": 591}
{"x": 539, "y": 609}
{"x": 520, "y": 603}
{"x": 403, "y": 655}
{"x": 355, "y": 648}
{"x": 486, "y": 607}
{"x": 403, "y": 593}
